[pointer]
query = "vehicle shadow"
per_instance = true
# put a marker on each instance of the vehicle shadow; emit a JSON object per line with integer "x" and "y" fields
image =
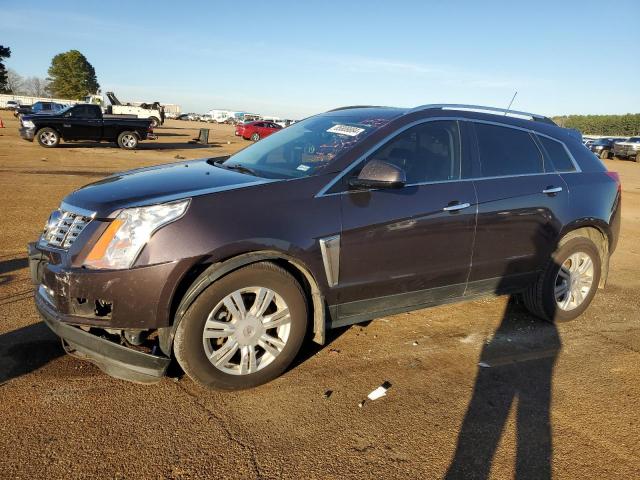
{"x": 177, "y": 146}
{"x": 8, "y": 266}
{"x": 169, "y": 134}
{"x": 310, "y": 348}
{"x": 27, "y": 349}
{"x": 142, "y": 146}
{"x": 515, "y": 368}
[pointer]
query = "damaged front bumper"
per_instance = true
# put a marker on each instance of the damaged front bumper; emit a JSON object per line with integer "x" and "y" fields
{"x": 91, "y": 343}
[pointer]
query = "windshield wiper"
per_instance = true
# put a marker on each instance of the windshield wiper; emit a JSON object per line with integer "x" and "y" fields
{"x": 242, "y": 169}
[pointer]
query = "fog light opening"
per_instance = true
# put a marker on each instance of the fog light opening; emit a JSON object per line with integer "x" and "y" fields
{"x": 102, "y": 308}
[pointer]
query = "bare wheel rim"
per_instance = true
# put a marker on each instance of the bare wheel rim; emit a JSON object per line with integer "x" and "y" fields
{"x": 574, "y": 281}
{"x": 128, "y": 140}
{"x": 48, "y": 138}
{"x": 246, "y": 330}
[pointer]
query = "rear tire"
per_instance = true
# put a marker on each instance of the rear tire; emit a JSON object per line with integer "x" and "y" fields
{"x": 155, "y": 122}
{"x": 128, "y": 140}
{"x": 212, "y": 339}
{"x": 544, "y": 298}
{"x": 48, "y": 137}
{"x": 255, "y": 137}
{"x": 604, "y": 154}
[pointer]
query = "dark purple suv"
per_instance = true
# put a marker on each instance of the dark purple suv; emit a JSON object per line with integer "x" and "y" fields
{"x": 227, "y": 264}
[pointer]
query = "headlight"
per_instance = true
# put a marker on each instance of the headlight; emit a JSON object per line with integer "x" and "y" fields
{"x": 28, "y": 124}
{"x": 119, "y": 245}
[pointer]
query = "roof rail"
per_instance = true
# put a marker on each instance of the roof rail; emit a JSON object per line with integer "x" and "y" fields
{"x": 479, "y": 108}
{"x": 353, "y": 106}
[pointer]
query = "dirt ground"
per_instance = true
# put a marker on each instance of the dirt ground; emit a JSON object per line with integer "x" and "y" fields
{"x": 550, "y": 400}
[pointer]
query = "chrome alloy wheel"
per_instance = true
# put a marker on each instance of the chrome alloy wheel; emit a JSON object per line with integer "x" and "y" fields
{"x": 574, "y": 281}
{"x": 48, "y": 138}
{"x": 246, "y": 331}
{"x": 129, "y": 140}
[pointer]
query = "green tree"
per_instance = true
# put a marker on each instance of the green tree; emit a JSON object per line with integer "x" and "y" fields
{"x": 623, "y": 125}
{"x": 5, "y": 52}
{"x": 72, "y": 76}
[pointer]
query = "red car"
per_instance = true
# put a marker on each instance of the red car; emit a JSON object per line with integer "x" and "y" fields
{"x": 256, "y": 130}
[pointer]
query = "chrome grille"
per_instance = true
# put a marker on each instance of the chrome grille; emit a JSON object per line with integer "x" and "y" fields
{"x": 63, "y": 228}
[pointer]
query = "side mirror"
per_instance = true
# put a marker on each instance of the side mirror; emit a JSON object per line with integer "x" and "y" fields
{"x": 379, "y": 174}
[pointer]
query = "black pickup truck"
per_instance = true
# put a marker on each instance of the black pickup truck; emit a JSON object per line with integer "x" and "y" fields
{"x": 85, "y": 122}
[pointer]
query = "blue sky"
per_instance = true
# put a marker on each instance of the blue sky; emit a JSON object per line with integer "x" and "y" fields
{"x": 294, "y": 58}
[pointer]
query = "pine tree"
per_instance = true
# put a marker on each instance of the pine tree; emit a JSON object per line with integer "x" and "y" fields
{"x": 72, "y": 76}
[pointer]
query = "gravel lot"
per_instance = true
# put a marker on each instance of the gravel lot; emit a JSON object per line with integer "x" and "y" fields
{"x": 553, "y": 400}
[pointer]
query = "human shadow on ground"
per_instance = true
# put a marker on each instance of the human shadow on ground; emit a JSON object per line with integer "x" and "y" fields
{"x": 27, "y": 349}
{"x": 515, "y": 366}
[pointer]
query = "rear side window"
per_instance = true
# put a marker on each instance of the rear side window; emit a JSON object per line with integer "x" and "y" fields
{"x": 558, "y": 155}
{"x": 507, "y": 151}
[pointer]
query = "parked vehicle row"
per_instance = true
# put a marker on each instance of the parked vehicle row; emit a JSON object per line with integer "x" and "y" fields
{"x": 628, "y": 149}
{"x": 619, "y": 147}
{"x": 231, "y": 118}
{"x": 357, "y": 213}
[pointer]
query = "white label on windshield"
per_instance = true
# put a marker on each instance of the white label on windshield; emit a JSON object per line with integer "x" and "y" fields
{"x": 303, "y": 168}
{"x": 346, "y": 130}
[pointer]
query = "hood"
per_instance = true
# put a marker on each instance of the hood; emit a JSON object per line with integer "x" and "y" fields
{"x": 163, "y": 183}
{"x": 31, "y": 116}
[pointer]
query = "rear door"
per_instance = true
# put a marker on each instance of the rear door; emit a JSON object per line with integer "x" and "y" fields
{"x": 409, "y": 246}
{"x": 521, "y": 207}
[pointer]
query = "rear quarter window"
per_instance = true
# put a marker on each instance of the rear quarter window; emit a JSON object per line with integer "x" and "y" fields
{"x": 557, "y": 154}
{"x": 507, "y": 151}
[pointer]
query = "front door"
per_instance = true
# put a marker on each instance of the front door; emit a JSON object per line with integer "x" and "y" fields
{"x": 83, "y": 123}
{"x": 409, "y": 246}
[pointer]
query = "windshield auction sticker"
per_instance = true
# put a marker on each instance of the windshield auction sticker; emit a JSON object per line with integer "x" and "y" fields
{"x": 346, "y": 130}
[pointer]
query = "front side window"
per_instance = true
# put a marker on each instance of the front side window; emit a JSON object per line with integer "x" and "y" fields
{"x": 507, "y": 151}
{"x": 558, "y": 155}
{"x": 310, "y": 146}
{"x": 429, "y": 152}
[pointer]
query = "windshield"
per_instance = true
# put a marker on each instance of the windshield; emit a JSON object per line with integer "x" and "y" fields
{"x": 65, "y": 109}
{"x": 602, "y": 141}
{"x": 306, "y": 147}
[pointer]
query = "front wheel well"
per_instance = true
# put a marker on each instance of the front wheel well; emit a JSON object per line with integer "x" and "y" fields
{"x": 201, "y": 275}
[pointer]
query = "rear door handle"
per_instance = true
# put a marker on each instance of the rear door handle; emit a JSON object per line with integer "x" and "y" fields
{"x": 456, "y": 207}
{"x": 550, "y": 190}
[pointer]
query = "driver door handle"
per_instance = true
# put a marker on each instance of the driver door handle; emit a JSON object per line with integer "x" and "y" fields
{"x": 456, "y": 207}
{"x": 552, "y": 190}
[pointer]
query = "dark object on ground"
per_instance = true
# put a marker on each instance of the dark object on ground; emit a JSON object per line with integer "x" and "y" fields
{"x": 202, "y": 138}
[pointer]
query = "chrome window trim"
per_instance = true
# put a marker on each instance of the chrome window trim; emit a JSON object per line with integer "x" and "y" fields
{"x": 337, "y": 178}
